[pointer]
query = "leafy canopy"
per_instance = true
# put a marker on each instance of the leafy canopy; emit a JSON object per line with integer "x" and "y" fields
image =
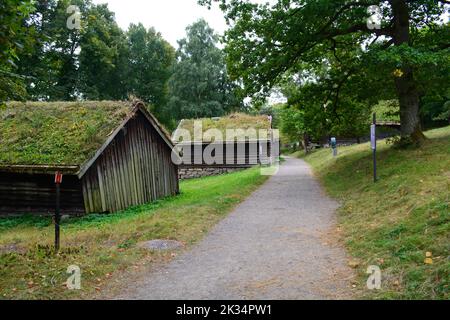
{"x": 200, "y": 86}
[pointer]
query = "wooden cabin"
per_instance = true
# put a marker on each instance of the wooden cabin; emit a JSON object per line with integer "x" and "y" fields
{"x": 193, "y": 138}
{"x": 113, "y": 155}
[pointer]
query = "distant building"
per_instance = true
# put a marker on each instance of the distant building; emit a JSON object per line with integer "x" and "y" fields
{"x": 113, "y": 155}
{"x": 250, "y": 143}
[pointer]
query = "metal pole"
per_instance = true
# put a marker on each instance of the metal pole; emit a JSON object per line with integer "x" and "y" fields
{"x": 57, "y": 217}
{"x": 375, "y": 149}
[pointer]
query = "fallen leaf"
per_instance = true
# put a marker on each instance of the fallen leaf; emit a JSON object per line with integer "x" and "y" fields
{"x": 428, "y": 261}
{"x": 353, "y": 264}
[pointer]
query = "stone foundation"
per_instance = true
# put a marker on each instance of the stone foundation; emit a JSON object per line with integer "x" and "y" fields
{"x": 192, "y": 173}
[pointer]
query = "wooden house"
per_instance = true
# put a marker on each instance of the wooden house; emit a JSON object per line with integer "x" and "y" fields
{"x": 241, "y": 150}
{"x": 113, "y": 155}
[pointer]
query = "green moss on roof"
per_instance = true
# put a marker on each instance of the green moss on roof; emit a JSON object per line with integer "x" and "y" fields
{"x": 57, "y": 133}
{"x": 232, "y": 121}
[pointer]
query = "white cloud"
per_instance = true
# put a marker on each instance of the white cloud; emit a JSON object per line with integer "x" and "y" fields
{"x": 170, "y": 17}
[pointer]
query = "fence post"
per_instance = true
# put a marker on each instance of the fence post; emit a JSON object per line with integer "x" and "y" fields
{"x": 58, "y": 181}
{"x": 374, "y": 146}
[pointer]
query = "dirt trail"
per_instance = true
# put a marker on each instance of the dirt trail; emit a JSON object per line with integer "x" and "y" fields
{"x": 278, "y": 244}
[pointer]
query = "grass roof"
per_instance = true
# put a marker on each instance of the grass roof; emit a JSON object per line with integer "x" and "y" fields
{"x": 57, "y": 133}
{"x": 233, "y": 121}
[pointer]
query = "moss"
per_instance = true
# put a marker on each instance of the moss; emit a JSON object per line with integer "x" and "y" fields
{"x": 232, "y": 121}
{"x": 57, "y": 133}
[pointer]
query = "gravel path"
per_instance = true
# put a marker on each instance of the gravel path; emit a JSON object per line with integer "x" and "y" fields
{"x": 279, "y": 244}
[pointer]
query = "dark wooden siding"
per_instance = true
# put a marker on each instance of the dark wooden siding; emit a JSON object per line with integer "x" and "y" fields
{"x": 35, "y": 193}
{"x": 242, "y": 154}
{"x": 136, "y": 168}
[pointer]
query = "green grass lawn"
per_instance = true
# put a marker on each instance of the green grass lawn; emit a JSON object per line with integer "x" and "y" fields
{"x": 105, "y": 245}
{"x": 395, "y": 222}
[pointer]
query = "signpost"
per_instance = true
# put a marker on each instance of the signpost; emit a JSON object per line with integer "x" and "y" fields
{"x": 334, "y": 146}
{"x": 58, "y": 181}
{"x": 373, "y": 139}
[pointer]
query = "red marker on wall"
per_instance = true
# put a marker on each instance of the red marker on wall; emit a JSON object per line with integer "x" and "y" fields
{"x": 58, "y": 177}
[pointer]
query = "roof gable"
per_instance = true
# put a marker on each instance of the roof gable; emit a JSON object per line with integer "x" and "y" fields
{"x": 139, "y": 107}
{"x": 62, "y": 134}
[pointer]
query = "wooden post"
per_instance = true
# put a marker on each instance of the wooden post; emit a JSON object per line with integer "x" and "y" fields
{"x": 58, "y": 181}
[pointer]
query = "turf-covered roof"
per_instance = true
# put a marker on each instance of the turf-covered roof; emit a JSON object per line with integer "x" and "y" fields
{"x": 57, "y": 133}
{"x": 233, "y": 121}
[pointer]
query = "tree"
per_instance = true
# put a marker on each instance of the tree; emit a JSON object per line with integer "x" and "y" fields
{"x": 13, "y": 40}
{"x": 294, "y": 126}
{"x": 268, "y": 40}
{"x": 52, "y": 64}
{"x": 103, "y": 64}
{"x": 150, "y": 59}
{"x": 200, "y": 86}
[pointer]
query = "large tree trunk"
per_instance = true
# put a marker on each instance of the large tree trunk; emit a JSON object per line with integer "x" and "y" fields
{"x": 305, "y": 142}
{"x": 409, "y": 107}
{"x": 407, "y": 91}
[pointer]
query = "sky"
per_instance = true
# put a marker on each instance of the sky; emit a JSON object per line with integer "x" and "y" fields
{"x": 170, "y": 17}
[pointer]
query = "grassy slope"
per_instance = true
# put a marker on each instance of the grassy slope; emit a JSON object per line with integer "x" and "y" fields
{"x": 394, "y": 223}
{"x": 104, "y": 244}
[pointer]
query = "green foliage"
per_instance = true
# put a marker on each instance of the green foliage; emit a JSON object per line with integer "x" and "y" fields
{"x": 59, "y": 133}
{"x": 293, "y": 125}
{"x": 200, "y": 86}
{"x": 53, "y": 63}
{"x": 14, "y": 39}
{"x": 97, "y": 62}
{"x": 12, "y": 31}
{"x": 103, "y": 57}
{"x": 436, "y": 107}
{"x": 150, "y": 61}
{"x": 327, "y": 47}
{"x": 387, "y": 110}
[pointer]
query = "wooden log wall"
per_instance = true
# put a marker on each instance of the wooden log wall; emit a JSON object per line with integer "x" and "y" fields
{"x": 135, "y": 169}
{"x": 22, "y": 193}
{"x": 237, "y": 154}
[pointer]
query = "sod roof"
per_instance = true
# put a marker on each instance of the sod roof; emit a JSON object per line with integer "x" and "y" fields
{"x": 233, "y": 121}
{"x": 57, "y": 133}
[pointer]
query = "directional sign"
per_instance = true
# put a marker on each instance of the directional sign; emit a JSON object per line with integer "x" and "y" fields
{"x": 373, "y": 136}
{"x": 334, "y": 143}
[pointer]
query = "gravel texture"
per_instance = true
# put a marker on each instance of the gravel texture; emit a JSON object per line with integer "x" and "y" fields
{"x": 281, "y": 243}
{"x": 161, "y": 245}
